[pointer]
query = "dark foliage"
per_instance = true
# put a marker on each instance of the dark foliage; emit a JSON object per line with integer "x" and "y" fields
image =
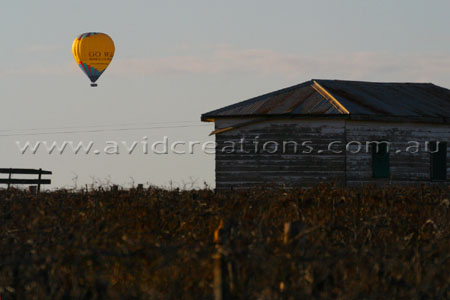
{"x": 359, "y": 243}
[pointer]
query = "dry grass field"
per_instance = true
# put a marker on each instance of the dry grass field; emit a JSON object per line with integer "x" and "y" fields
{"x": 358, "y": 243}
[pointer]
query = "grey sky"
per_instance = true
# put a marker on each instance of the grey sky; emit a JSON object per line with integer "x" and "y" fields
{"x": 175, "y": 60}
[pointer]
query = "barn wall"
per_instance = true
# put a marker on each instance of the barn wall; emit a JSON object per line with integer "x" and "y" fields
{"x": 289, "y": 167}
{"x": 242, "y": 169}
{"x": 407, "y": 168}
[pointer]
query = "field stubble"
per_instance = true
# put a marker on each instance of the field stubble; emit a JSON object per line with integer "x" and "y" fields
{"x": 366, "y": 242}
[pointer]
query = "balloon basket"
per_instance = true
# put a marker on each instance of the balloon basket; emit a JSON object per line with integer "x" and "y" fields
{"x": 93, "y": 84}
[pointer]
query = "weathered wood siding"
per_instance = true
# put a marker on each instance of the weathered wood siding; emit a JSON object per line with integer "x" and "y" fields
{"x": 289, "y": 168}
{"x": 251, "y": 166}
{"x": 405, "y": 167}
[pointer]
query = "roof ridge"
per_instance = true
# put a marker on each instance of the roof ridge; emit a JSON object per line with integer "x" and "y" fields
{"x": 371, "y": 82}
{"x": 330, "y": 98}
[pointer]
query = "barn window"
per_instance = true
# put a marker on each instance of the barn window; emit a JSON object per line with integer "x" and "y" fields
{"x": 380, "y": 161}
{"x": 438, "y": 160}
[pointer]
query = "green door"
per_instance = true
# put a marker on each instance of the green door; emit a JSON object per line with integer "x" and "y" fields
{"x": 380, "y": 161}
{"x": 438, "y": 161}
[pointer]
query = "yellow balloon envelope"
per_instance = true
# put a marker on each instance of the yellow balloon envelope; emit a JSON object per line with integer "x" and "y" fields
{"x": 93, "y": 51}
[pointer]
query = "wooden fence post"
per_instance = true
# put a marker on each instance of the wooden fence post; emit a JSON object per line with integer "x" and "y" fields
{"x": 292, "y": 237}
{"x": 224, "y": 277}
{"x": 33, "y": 189}
{"x": 220, "y": 290}
{"x": 39, "y": 178}
{"x": 292, "y": 231}
{"x": 9, "y": 178}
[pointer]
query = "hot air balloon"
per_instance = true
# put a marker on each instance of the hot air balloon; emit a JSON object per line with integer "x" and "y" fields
{"x": 93, "y": 51}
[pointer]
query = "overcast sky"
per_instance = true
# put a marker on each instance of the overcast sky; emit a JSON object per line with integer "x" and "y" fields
{"x": 175, "y": 60}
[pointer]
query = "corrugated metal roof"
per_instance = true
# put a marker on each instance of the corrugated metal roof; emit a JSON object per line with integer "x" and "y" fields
{"x": 336, "y": 97}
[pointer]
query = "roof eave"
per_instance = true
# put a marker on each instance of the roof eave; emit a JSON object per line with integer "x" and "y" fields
{"x": 356, "y": 117}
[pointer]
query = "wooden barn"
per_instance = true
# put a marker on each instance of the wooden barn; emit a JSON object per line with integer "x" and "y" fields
{"x": 333, "y": 130}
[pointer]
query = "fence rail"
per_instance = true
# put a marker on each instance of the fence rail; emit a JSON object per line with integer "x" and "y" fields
{"x": 24, "y": 171}
{"x": 38, "y": 181}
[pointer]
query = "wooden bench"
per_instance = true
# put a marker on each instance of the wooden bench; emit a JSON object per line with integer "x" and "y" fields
{"x": 37, "y": 181}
